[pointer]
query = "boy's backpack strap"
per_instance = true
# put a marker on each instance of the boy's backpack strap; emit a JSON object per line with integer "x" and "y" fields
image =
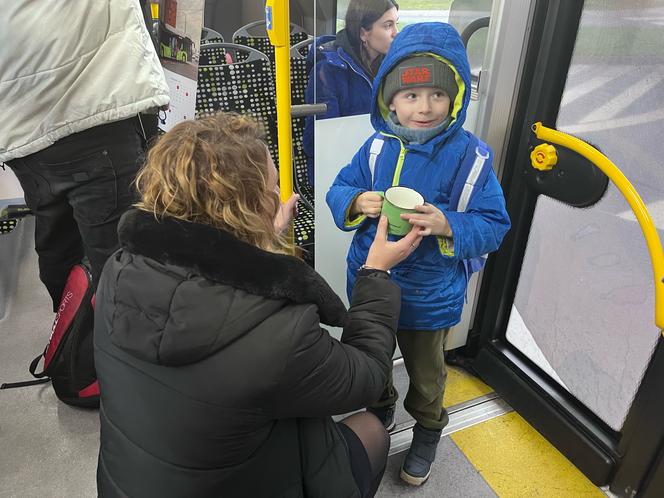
{"x": 374, "y": 152}
{"x": 471, "y": 177}
{"x": 472, "y": 174}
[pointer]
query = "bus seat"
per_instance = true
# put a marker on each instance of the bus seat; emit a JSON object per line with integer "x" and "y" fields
{"x": 7, "y": 226}
{"x": 212, "y": 55}
{"x": 299, "y": 79}
{"x": 301, "y": 49}
{"x": 304, "y": 223}
{"x": 10, "y": 215}
{"x": 209, "y": 35}
{"x": 219, "y": 53}
{"x": 247, "y": 87}
{"x": 254, "y": 35}
{"x": 304, "y": 232}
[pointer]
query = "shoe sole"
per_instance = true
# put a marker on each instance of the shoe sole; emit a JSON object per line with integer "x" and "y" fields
{"x": 412, "y": 480}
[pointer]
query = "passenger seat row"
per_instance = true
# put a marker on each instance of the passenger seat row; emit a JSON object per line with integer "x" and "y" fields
{"x": 240, "y": 77}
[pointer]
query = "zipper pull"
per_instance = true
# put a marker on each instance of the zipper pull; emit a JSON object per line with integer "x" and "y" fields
{"x": 402, "y": 153}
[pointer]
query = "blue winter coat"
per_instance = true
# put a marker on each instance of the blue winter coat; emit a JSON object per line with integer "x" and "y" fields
{"x": 342, "y": 84}
{"x": 432, "y": 279}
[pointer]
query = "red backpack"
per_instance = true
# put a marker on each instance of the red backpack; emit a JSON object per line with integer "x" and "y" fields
{"x": 69, "y": 357}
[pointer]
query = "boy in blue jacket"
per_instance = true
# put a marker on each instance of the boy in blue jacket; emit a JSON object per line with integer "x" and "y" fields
{"x": 419, "y": 101}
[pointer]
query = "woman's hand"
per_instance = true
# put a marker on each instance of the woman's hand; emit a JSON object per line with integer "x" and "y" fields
{"x": 287, "y": 211}
{"x": 429, "y": 220}
{"x": 368, "y": 203}
{"x": 383, "y": 254}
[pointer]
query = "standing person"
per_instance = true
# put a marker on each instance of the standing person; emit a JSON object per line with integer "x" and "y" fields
{"x": 345, "y": 66}
{"x": 75, "y": 76}
{"x": 420, "y": 97}
{"x": 216, "y": 377}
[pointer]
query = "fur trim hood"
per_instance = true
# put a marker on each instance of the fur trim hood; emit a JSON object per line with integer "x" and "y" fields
{"x": 178, "y": 292}
{"x": 220, "y": 257}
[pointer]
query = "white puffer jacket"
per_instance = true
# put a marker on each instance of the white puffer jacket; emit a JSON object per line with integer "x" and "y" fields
{"x": 66, "y": 66}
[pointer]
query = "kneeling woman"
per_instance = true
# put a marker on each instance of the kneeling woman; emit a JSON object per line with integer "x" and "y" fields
{"x": 216, "y": 376}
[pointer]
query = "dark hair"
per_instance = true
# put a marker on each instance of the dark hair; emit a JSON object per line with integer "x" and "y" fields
{"x": 362, "y": 14}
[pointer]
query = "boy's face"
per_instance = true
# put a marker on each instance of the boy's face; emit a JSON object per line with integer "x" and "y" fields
{"x": 421, "y": 107}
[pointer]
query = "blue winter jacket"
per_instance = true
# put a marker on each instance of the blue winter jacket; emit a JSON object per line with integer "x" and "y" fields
{"x": 341, "y": 83}
{"x": 432, "y": 279}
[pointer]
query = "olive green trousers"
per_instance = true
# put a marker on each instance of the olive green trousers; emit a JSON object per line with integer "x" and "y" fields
{"x": 423, "y": 357}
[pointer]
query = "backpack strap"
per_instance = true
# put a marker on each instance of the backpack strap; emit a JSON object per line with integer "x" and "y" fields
{"x": 41, "y": 377}
{"x": 374, "y": 152}
{"x": 26, "y": 383}
{"x": 33, "y": 367}
{"x": 471, "y": 175}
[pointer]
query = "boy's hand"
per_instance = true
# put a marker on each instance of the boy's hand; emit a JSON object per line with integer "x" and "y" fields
{"x": 384, "y": 254}
{"x": 287, "y": 211}
{"x": 368, "y": 203}
{"x": 430, "y": 220}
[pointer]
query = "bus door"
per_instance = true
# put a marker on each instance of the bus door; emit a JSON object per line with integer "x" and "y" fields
{"x": 564, "y": 324}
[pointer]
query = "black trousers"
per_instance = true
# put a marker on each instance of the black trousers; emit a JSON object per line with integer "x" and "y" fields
{"x": 77, "y": 189}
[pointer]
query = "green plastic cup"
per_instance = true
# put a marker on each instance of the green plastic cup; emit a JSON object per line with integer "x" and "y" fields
{"x": 396, "y": 201}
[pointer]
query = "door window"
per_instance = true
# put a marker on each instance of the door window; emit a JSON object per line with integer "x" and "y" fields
{"x": 584, "y": 305}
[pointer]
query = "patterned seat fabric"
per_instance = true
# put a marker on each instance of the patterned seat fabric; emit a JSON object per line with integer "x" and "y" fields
{"x": 304, "y": 50}
{"x": 212, "y": 56}
{"x": 245, "y": 88}
{"x": 305, "y": 228}
{"x": 248, "y": 88}
{"x": 7, "y": 226}
{"x": 305, "y": 221}
{"x": 299, "y": 77}
{"x": 262, "y": 43}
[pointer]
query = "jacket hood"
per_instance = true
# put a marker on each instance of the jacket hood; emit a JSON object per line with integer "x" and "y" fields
{"x": 443, "y": 42}
{"x": 321, "y": 45}
{"x": 342, "y": 41}
{"x": 337, "y": 51}
{"x": 255, "y": 285}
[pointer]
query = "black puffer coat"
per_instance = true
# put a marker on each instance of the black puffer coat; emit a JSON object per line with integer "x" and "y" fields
{"x": 216, "y": 377}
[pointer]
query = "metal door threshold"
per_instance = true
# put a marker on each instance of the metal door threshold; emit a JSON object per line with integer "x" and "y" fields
{"x": 463, "y": 415}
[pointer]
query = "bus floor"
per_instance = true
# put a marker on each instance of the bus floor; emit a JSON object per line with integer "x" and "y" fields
{"x": 486, "y": 450}
{"x": 49, "y": 449}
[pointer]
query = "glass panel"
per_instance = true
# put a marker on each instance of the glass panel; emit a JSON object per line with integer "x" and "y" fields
{"x": 584, "y": 308}
{"x": 343, "y": 135}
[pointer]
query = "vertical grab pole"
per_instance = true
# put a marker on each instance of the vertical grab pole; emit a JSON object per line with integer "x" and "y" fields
{"x": 277, "y": 20}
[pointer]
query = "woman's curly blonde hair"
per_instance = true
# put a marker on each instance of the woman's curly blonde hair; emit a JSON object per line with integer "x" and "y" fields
{"x": 213, "y": 171}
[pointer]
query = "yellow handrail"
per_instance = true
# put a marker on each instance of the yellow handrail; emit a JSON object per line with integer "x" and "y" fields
{"x": 277, "y": 18}
{"x": 629, "y": 192}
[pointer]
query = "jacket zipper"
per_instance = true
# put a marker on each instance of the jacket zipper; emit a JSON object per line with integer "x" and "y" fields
{"x": 350, "y": 65}
{"x": 400, "y": 160}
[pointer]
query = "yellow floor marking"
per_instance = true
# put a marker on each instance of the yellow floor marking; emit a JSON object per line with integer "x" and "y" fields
{"x": 461, "y": 386}
{"x": 517, "y": 462}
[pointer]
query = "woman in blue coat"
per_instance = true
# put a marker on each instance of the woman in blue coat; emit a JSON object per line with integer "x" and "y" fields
{"x": 346, "y": 66}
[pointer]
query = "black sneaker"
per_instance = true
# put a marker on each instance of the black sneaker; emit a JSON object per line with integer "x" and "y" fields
{"x": 416, "y": 468}
{"x": 386, "y": 416}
